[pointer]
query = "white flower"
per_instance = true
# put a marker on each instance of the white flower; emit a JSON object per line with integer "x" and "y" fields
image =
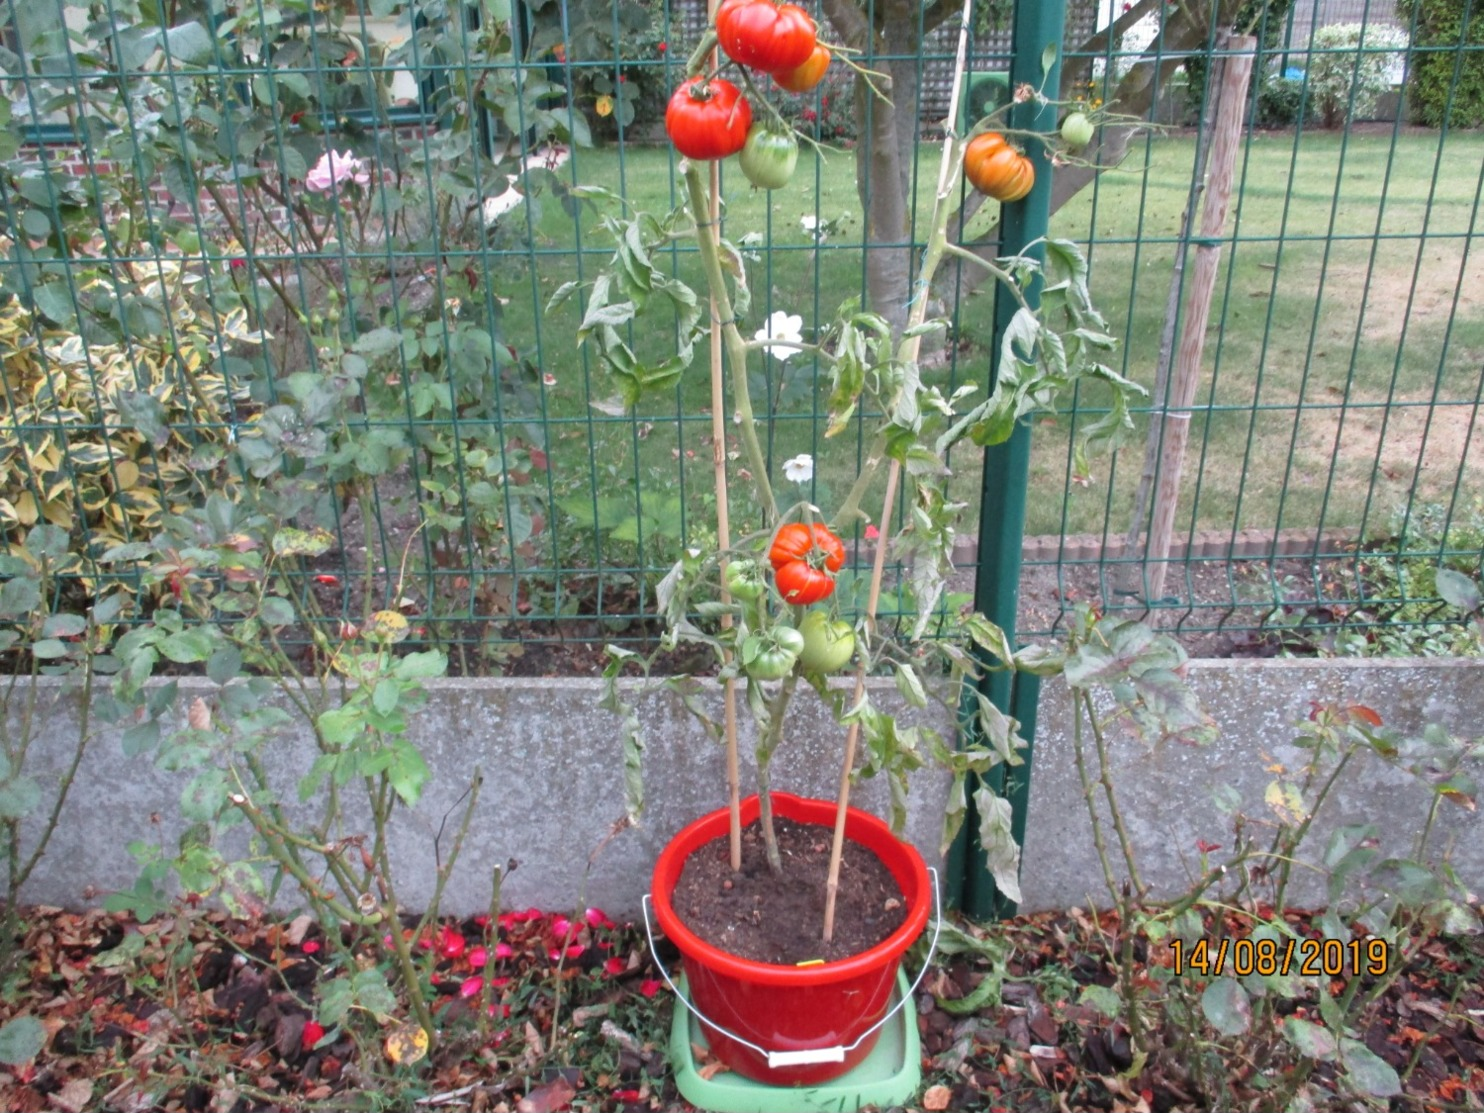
{"x": 809, "y": 223}
{"x": 800, "y": 469}
{"x": 334, "y": 170}
{"x": 781, "y": 326}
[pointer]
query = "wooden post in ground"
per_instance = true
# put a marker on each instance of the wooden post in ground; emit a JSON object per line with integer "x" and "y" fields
{"x": 1235, "y": 73}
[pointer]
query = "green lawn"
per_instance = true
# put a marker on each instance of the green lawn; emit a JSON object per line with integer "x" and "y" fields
{"x": 1350, "y": 285}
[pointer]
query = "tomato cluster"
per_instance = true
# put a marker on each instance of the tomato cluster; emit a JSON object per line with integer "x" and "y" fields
{"x": 804, "y": 559}
{"x": 711, "y": 119}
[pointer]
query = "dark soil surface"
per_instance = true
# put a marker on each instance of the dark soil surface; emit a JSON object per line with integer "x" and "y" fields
{"x": 778, "y": 919}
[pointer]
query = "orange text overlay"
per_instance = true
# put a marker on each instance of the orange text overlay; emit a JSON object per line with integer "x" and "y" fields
{"x": 1267, "y": 957}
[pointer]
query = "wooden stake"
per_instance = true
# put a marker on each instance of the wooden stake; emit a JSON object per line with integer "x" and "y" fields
{"x": 723, "y": 515}
{"x": 907, "y": 353}
{"x": 1236, "y": 70}
{"x": 852, "y": 733}
{"x": 1130, "y": 577}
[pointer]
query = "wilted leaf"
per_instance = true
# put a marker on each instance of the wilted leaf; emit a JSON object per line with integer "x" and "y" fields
{"x": 1001, "y": 853}
{"x": 1286, "y": 801}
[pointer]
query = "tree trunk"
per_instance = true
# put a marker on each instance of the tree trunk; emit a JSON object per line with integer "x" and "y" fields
{"x": 887, "y": 144}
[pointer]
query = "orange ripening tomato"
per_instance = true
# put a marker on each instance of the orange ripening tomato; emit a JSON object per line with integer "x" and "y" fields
{"x": 995, "y": 168}
{"x": 805, "y": 561}
{"x": 764, "y": 35}
{"x": 708, "y": 119}
{"x": 810, "y": 74}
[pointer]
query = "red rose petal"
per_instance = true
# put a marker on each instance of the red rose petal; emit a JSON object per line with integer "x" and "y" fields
{"x": 314, "y": 1031}
{"x": 650, "y": 986}
{"x": 471, "y": 986}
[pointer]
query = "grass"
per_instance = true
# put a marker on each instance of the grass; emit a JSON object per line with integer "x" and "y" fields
{"x": 1340, "y": 374}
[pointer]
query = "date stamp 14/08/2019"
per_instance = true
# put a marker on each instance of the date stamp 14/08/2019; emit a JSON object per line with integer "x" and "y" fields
{"x": 1266, "y": 957}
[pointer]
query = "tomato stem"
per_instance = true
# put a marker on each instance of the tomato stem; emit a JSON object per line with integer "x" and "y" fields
{"x": 696, "y": 63}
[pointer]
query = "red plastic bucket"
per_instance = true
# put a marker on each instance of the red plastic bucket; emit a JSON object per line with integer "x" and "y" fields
{"x": 790, "y": 1008}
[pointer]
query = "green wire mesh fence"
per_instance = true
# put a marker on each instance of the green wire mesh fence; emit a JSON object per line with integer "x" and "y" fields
{"x": 319, "y": 243}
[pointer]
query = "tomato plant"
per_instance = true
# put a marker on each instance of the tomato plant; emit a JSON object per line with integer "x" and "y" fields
{"x": 769, "y": 156}
{"x": 805, "y": 561}
{"x": 1076, "y": 130}
{"x": 770, "y": 37}
{"x": 708, "y": 119}
{"x": 998, "y": 169}
{"x": 770, "y": 655}
{"x": 828, "y": 643}
{"x": 810, "y": 74}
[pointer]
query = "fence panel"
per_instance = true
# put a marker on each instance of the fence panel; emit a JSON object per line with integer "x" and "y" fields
{"x": 321, "y": 243}
{"x": 1335, "y": 458}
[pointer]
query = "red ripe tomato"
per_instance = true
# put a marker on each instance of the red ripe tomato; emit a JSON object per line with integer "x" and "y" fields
{"x": 810, "y": 74}
{"x": 774, "y": 38}
{"x": 798, "y": 583}
{"x": 708, "y": 119}
{"x": 805, "y": 561}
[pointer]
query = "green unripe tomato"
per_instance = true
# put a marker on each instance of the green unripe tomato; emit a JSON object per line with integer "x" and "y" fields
{"x": 744, "y": 580}
{"x": 828, "y": 643}
{"x": 770, "y": 655}
{"x": 1076, "y": 131}
{"x": 768, "y": 157}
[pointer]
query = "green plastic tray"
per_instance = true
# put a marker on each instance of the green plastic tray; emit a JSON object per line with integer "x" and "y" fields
{"x": 890, "y": 1075}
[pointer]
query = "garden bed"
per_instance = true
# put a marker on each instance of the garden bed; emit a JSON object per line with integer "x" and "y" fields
{"x": 198, "y": 1013}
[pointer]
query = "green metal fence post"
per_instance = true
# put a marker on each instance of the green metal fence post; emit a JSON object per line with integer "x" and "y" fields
{"x": 1037, "y": 26}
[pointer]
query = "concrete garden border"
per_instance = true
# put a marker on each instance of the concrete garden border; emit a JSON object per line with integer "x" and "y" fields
{"x": 549, "y": 800}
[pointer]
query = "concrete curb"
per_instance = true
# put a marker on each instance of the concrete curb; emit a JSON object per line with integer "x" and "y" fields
{"x": 553, "y": 785}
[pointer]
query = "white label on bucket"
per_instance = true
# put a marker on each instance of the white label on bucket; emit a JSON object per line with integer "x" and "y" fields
{"x": 812, "y": 1055}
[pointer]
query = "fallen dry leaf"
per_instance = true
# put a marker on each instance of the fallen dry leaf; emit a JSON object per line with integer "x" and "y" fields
{"x": 73, "y": 1097}
{"x": 294, "y": 934}
{"x": 548, "y": 1097}
{"x": 199, "y": 716}
{"x": 407, "y": 1043}
{"x": 936, "y": 1098}
{"x": 712, "y": 1069}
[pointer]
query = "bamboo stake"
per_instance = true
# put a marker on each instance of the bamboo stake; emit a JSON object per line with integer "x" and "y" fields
{"x": 1236, "y": 69}
{"x": 907, "y": 352}
{"x": 723, "y": 514}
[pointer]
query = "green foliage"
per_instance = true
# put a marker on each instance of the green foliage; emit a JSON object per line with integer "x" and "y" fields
{"x": 1349, "y": 69}
{"x": 1445, "y": 73}
{"x": 1283, "y": 101}
{"x": 262, "y": 300}
{"x": 102, "y": 440}
{"x": 615, "y": 50}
